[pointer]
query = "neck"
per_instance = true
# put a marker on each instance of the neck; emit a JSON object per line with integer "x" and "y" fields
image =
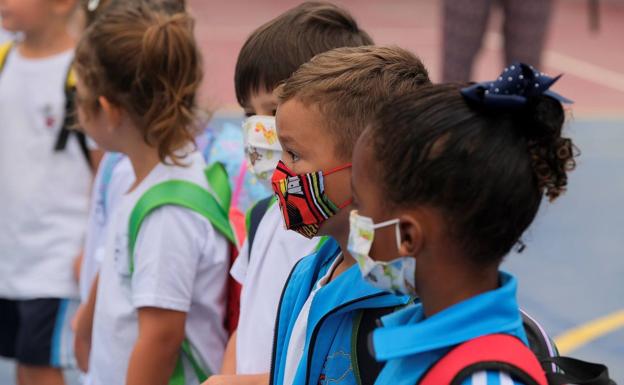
{"x": 143, "y": 158}
{"x": 342, "y": 237}
{"x": 458, "y": 284}
{"x": 47, "y": 41}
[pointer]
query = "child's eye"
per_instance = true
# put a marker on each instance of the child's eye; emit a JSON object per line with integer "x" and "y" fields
{"x": 293, "y": 156}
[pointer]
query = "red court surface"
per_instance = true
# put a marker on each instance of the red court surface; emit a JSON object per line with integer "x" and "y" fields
{"x": 592, "y": 61}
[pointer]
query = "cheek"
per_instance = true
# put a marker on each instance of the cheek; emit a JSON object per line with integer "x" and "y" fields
{"x": 22, "y": 15}
{"x": 337, "y": 187}
{"x": 384, "y": 246}
{"x": 94, "y": 126}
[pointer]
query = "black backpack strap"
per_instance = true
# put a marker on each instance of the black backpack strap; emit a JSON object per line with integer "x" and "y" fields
{"x": 69, "y": 121}
{"x": 574, "y": 371}
{"x": 255, "y": 216}
{"x": 365, "y": 366}
{"x": 540, "y": 342}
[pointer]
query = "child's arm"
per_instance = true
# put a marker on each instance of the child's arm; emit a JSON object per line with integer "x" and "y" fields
{"x": 248, "y": 379}
{"x": 229, "y": 357}
{"x": 157, "y": 348}
{"x": 84, "y": 328}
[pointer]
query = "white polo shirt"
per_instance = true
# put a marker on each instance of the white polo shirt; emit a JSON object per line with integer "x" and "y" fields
{"x": 114, "y": 178}
{"x": 180, "y": 264}
{"x": 263, "y": 274}
{"x": 44, "y": 194}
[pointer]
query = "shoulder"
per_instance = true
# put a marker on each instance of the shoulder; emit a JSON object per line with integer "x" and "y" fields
{"x": 491, "y": 377}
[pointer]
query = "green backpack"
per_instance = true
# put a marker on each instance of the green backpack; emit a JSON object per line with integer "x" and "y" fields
{"x": 195, "y": 198}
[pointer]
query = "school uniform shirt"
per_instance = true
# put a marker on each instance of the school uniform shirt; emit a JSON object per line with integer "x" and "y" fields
{"x": 113, "y": 179}
{"x": 180, "y": 263}
{"x": 262, "y": 274}
{"x": 44, "y": 194}
{"x": 409, "y": 343}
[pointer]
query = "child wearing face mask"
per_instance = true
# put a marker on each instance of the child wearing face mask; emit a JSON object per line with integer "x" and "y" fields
{"x": 325, "y": 306}
{"x": 441, "y": 198}
{"x": 270, "y": 54}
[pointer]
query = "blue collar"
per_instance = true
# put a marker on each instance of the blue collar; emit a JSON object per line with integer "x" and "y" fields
{"x": 408, "y": 332}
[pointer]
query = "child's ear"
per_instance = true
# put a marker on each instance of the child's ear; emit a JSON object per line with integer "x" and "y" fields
{"x": 412, "y": 236}
{"x": 111, "y": 112}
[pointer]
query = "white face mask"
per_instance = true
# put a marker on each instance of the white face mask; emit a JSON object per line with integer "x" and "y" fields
{"x": 396, "y": 276}
{"x": 262, "y": 147}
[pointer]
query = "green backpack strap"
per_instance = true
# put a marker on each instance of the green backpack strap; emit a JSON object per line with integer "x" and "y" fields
{"x": 4, "y": 53}
{"x": 178, "y": 193}
{"x": 178, "y": 373}
{"x": 220, "y": 184}
{"x": 193, "y": 197}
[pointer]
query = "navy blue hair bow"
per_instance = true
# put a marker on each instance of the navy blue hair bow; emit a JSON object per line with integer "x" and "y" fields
{"x": 514, "y": 87}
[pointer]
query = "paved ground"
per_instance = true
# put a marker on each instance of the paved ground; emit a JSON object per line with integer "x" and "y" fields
{"x": 571, "y": 272}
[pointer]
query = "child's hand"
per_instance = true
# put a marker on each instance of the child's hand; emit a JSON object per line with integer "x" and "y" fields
{"x": 77, "y": 266}
{"x": 82, "y": 346}
{"x": 251, "y": 379}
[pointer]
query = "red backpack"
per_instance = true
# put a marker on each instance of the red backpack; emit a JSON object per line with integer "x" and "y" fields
{"x": 538, "y": 364}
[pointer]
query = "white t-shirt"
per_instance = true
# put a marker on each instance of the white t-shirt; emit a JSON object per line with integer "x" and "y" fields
{"x": 113, "y": 180}
{"x": 297, "y": 340}
{"x": 263, "y": 275}
{"x": 44, "y": 194}
{"x": 180, "y": 264}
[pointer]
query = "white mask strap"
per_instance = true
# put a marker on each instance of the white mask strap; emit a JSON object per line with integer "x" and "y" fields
{"x": 396, "y": 229}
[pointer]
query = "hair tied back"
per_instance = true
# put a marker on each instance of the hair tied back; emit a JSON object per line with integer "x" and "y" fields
{"x": 513, "y": 89}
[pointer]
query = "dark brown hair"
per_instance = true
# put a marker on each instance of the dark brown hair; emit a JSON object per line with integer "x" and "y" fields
{"x": 349, "y": 85}
{"x": 146, "y": 62}
{"x": 485, "y": 170}
{"x": 276, "y": 49}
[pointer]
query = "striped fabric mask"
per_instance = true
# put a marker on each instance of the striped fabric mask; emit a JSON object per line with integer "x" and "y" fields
{"x": 302, "y": 199}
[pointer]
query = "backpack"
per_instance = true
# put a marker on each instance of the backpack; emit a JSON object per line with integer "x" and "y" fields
{"x": 254, "y": 216}
{"x": 212, "y": 207}
{"x": 69, "y": 120}
{"x": 537, "y": 364}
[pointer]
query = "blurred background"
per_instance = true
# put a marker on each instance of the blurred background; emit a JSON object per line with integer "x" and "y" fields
{"x": 572, "y": 271}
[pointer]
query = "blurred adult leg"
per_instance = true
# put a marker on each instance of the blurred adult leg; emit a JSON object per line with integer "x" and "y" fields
{"x": 525, "y": 29}
{"x": 464, "y": 24}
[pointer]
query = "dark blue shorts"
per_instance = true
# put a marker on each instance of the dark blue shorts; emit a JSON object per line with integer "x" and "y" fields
{"x": 34, "y": 331}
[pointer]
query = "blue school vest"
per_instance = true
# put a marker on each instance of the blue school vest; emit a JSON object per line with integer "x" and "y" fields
{"x": 327, "y": 352}
{"x": 410, "y": 344}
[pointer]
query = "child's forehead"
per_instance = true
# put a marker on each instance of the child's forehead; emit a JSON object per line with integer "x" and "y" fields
{"x": 305, "y": 127}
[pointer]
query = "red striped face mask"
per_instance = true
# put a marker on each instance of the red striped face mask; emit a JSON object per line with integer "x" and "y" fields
{"x": 302, "y": 199}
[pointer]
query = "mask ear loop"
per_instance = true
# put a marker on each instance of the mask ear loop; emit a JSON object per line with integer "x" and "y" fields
{"x": 335, "y": 170}
{"x": 397, "y": 232}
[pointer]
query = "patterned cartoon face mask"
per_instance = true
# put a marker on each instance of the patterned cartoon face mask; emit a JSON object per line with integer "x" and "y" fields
{"x": 262, "y": 148}
{"x": 303, "y": 200}
{"x": 396, "y": 276}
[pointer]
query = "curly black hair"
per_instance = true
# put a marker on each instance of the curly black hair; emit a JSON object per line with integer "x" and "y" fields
{"x": 485, "y": 170}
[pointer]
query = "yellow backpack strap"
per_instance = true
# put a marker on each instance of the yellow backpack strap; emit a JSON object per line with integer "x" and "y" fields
{"x": 70, "y": 80}
{"x": 4, "y": 53}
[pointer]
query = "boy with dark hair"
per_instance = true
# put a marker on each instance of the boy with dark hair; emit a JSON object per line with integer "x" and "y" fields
{"x": 269, "y": 56}
{"x": 327, "y": 309}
